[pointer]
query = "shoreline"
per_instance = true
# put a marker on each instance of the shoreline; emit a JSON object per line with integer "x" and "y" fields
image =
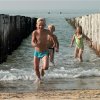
{"x": 26, "y": 86}
{"x": 53, "y": 95}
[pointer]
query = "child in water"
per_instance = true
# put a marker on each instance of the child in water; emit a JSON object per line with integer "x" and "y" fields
{"x": 40, "y": 44}
{"x": 52, "y": 48}
{"x": 78, "y": 38}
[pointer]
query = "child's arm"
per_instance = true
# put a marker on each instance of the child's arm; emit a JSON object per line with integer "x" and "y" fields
{"x": 34, "y": 40}
{"x": 57, "y": 44}
{"x": 72, "y": 41}
{"x": 87, "y": 38}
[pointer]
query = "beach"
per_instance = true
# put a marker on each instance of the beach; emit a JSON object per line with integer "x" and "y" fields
{"x": 53, "y": 95}
{"x": 67, "y": 80}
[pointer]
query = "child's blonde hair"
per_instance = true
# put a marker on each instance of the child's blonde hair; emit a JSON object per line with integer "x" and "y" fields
{"x": 41, "y": 19}
{"x": 52, "y": 27}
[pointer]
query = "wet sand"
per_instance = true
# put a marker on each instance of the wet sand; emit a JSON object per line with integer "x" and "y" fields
{"x": 57, "y": 89}
{"x": 53, "y": 95}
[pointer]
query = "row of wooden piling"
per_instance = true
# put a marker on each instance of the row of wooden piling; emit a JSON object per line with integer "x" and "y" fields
{"x": 13, "y": 29}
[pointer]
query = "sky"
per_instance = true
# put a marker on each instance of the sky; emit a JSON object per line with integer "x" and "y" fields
{"x": 29, "y": 5}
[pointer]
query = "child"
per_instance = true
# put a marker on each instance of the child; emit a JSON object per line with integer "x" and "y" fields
{"x": 52, "y": 48}
{"x": 78, "y": 37}
{"x": 40, "y": 44}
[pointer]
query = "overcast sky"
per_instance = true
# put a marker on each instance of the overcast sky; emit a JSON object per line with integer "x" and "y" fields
{"x": 49, "y": 4}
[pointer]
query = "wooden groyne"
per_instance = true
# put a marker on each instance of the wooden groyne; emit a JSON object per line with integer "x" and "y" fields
{"x": 13, "y": 29}
{"x": 91, "y": 27}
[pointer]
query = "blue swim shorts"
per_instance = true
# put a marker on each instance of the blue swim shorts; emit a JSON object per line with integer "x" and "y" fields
{"x": 40, "y": 54}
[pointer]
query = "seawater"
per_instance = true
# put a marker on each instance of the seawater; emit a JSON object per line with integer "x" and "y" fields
{"x": 19, "y": 65}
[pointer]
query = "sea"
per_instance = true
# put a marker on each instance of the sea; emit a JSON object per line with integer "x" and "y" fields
{"x": 17, "y": 73}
